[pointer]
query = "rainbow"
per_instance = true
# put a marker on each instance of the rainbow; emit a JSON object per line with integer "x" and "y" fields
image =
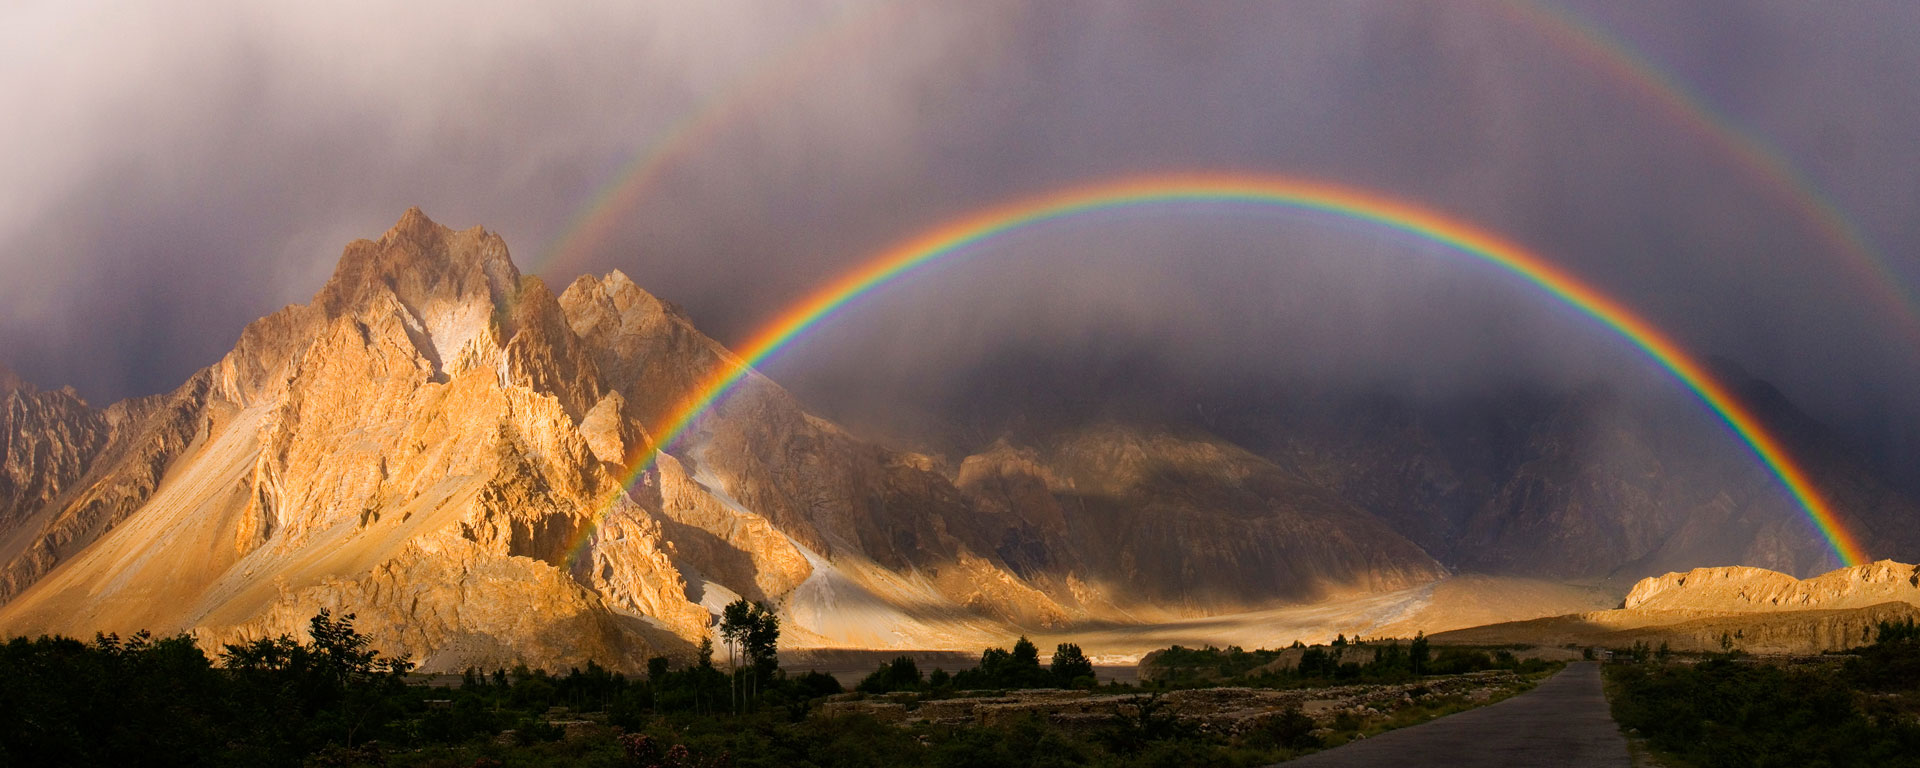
{"x": 1278, "y": 191}
{"x": 762, "y": 82}
{"x": 1765, "y": 163}
{"x": 609, "y": 206}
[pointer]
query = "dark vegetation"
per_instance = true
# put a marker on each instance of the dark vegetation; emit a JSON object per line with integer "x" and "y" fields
{"x": 1342, "y": 662}
{"x": 999, "y": 669}
{"x": 332, "y": 701}
{"x": 1857, "y": 708}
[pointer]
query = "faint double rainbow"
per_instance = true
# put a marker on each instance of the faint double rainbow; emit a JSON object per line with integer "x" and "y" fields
{"x": 960, "y": 235}
{"x": 1613, "y": 57}
{"x": 772, "y": 76}
{"x": 591, "y": 227}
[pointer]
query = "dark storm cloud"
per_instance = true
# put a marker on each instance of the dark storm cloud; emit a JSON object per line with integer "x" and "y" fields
{"x": 186, "y": 168}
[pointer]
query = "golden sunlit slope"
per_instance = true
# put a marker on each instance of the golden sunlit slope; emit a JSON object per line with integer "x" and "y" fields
{"x": 435, "y": 443}
{"x": 404, "y": 448}
{"x": 1708, "y": 609}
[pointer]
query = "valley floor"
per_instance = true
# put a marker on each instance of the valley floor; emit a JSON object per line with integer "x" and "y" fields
{"x": 1457, "y": 602}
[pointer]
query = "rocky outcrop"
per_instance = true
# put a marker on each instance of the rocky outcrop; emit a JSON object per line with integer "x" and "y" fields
{"x": 1584, "y": 484}
{"x": 1742, "y": 589}
{"x": 1759, "y": 632}
{"x": 1714, "y": 609}
{"x": 408, "y": 447}
{"x": 144, "y": 437}
{"x": 47, "y": 441}
{"x": 1185, "y": 524}
{"x": 487, "y": 473}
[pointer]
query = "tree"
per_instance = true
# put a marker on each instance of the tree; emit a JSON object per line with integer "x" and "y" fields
{"x": 994, "y": 662}
{"x": 1317, "y": 662}
{"x": 901, "y": 674}
{"x": 1418, "y": 654}
{"x": 736, "y": 620}
{"x": 1070, "y": 664}
{"x": 1000, "y": 668}
{"x": 752, "y": 633}
{"x": 1023, "y": 666}
{"x": 335, "y": 685}
{"x": 763, "y": 642}
{"x": 1024, "y": 653}
{"x": 1896, "y": 632}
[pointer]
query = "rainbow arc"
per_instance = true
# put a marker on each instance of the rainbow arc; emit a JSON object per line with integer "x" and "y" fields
{"x": 968, "y": 233}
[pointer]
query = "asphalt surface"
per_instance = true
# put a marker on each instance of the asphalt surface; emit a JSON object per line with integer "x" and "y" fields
{"x": 1563, "y": 722}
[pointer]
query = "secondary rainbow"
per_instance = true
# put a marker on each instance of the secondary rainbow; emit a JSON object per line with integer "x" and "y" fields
{"x": 764, "y": 82}
{"x": 1360, "y": 205}
{"x": 1609, "y": 55}
{"x": 759, "y": 84}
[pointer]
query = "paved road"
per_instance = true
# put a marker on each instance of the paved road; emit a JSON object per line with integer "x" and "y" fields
{"x": 1563, "y": 722}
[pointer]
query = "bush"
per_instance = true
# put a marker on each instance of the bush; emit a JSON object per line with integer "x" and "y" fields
{"x": 1723, "y": 712}
{"x": 901, "y": 674}
{"x": 1070, "y": 665}
{"x": 814, "y": 685}
{"x": 1291, "y": 729}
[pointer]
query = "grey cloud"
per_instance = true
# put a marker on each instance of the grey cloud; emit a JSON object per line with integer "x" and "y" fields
{"x": 188, "y": 167}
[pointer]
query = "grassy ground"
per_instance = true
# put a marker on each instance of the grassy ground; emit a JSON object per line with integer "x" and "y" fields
{"x": 1728, "y": 711}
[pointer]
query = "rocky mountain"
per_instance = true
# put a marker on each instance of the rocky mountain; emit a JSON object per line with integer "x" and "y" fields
{"x": 1742, "y": 589}
{"x": 47, "y": 440}
{"x": 1594, "y": 482}
{"x": 1711, "y": 609}
{"x": 436, "y": 444}
{"x": 404, "y": 447}
{"x": 1582, "y": 485}
{"x": 1182, "y": 524}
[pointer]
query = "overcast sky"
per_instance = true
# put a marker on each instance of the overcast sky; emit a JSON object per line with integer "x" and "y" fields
{"x": 175, "y": 170}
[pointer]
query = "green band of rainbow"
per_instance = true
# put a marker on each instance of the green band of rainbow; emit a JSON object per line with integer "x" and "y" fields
{"x": 1607, "y": 54}
{"x": 1354, "y": 204}
{"x": 1599, "y": 51}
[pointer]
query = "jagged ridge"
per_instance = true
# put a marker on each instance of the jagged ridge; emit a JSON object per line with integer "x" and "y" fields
{"x": 435, "y": 443}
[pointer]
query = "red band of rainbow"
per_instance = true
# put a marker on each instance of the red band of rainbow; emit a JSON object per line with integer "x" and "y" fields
{"x": 1301, "y": 194}
{"x": 1586, "y": 43}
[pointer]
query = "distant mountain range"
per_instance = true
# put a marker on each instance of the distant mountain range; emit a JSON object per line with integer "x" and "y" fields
{"x": 429, "y": 443}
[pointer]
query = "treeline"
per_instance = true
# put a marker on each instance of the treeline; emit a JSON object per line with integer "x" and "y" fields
{"x": 1858, "y": 708}
{"x": 332, "y": 698}
{"x": 162, "y": 701}
{"x": 331, "y": 701}
{"x": 999, "y": 668}
{"x": 1341, "y": 662}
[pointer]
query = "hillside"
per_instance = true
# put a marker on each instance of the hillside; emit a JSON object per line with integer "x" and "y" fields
{"x": 1712, "y": 609}
{"x": 434, "y": 443}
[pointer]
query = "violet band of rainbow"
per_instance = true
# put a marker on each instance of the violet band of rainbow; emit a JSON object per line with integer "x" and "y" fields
{"x": 1618, "y": 62}
{"x": 1592, "y": 47}
{"x": 1286, "y": 192}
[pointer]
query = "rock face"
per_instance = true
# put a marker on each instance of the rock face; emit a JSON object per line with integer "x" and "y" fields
{"x": 1754, "y": 609}
{"x": 444, "y": 446}
{"x": 47, "y": 440}
{"x": 407, "y": 447}
{"x": 1178, "y": 524}
{"x": 1574, "y": 486}
{"x": 438, "y": 444}
{"x": 1737, "y": 589}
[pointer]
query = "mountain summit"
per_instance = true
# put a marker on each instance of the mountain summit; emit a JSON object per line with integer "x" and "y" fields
{"x": 436, "y": 442}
